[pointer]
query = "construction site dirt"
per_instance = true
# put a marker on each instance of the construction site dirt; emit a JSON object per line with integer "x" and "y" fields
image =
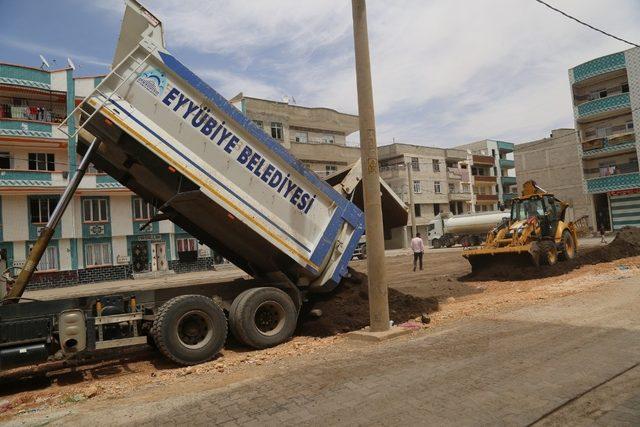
{"x": 443, "y": 292}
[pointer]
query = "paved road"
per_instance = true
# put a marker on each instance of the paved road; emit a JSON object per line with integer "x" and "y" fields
{"x": 573, "y": 360}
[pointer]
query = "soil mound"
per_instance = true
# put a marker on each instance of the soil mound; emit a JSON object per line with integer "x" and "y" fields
{"x": 347, "y": 309}
{"x": 625, "y": 244}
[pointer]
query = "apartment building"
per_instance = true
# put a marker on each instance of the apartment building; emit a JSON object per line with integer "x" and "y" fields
{"x": 99, "y": 237}
{"x": 492, "y": 173}
{"x": 555, "y": 165}
{"x": 606, "y": 106}
{"x": 440, "y": 181}
{"x": 316, "y": 136}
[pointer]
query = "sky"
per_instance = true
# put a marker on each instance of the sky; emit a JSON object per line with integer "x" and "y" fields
{"x": 445, "y": 72}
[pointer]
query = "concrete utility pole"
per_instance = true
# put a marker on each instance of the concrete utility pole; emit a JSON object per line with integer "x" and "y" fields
{"x": 376, "y": 270}
{"x": 412, "y": 206}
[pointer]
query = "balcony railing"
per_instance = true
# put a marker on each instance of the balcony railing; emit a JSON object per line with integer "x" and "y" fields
{"x": 610, "y": 144}
{"x": 599, "y": 66}
{"x": 29, "y": 178}
{"x": 24, "y": 76}
{"x": 485, "y": 179}
{"x": 613, "y": 182}
{"x": 618, "y": 169}
{"x": 483, "y": 160}
{"x": 603, "y": 105}
{"x": 505, "y": 147}
{"x": 507, "y": 164}
{"x": 509, "y": 196}
{"x": 486, "y": 197}
{"x": 459, "y": 195}
{"x": 29, "y": 129}
{"x": 508, "y": 180}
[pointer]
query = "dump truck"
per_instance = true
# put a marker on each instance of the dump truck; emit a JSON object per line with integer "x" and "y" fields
{"x": 469, "y": 229}
{"x": 535, "y": 233}
{"x": 165, "y": 134}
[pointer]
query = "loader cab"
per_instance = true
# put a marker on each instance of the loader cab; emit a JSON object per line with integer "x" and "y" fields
{"x": 544, "y": 208}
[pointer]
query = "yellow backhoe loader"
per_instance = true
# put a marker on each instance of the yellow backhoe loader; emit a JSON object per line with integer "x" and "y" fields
{"x": 535, "y": 232}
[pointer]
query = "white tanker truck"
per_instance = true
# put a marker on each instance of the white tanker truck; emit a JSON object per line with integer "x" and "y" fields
{"x": 470, "y": 229}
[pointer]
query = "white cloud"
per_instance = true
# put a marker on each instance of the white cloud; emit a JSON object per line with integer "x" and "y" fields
{"x": 48, "y": 50}
{"x": 444, "y": 72}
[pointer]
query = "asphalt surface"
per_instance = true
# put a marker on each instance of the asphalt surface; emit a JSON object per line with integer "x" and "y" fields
{"x": 570, "y": 361}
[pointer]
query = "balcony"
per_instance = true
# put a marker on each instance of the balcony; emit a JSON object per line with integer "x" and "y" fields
{"x": 614, "y": 177}
{"x": 509, "y": 196}
{"x": 32, "y": 179}
{"x": 486, "y": 198}
{"x": 599, "y": 107}
{"x": 508, "y": 180}
{"x": 24, "y": 76}
{"x": 483, "y": 160}
{"x": 505, "y": 147}
{"x": 484, "y": 179}
{"x": 613, "y": 182}
{"x": 620, "y": 143}
{"x": 459, "y": 196}
{"x": 507, "y": 164}
{"x": 598, "y": 66}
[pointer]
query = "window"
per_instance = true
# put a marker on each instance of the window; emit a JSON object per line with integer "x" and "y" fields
{"x": 436, "y": 165}
{"x": 49, "y": 260}
{"x": 417, "y": 210}
{"x": 466, "y": 188}
{"x": 302, "y": 137}
{"x": 142, "y": 210}
{"x": 629, "y": 125}
{"x": 624, "y": 87}
{"x": 436, "y": 187}
{"x": 5, "y": 160}
{"x": 329, "y": 169}
{"x": 188, "y": 244}
{"x": 493, "y": 153}
{"x": 276, "y": 130}
{"x": 417, "y": 188}
{"x": 96, "y": 254}
{"x": 415, "y": 164}
{"x": 258, "y": 123}
{"x": 93, "y": 169}
{"x": 436, "y": 209}
{"x": 41, "y": 208}
{"x": 328, "y": 139}
{"x": 95, "y": 210}
{"x": 452, "y": 187}
{"x": 42, "y": 162}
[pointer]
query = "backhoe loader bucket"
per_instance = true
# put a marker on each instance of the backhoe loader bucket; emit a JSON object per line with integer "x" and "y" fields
{"x": 506, "y": 258}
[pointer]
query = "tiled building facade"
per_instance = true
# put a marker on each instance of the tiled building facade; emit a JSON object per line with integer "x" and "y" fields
{"x": 606, "y": 105}
{"x": 99, "y": 237}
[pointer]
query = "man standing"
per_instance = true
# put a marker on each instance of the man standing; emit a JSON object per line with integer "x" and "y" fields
{"x": 417, "y": 246}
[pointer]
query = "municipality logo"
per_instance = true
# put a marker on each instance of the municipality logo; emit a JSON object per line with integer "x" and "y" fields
{"x": 153, "y": 80}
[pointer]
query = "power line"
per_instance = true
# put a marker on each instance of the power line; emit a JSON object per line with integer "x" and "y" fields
{"x": 586, "y": 24}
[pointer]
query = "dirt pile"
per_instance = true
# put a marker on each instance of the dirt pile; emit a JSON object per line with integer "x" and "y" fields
{"x": 625, "y": 244}
{"x": 347, "y": 309}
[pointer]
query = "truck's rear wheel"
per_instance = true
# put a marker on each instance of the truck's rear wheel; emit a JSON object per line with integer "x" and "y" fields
{"x": 568, "y": 246}
{"x": 190, "y": 329}
{"x": 263, "y": 317}
{"x": 436, "y": 244}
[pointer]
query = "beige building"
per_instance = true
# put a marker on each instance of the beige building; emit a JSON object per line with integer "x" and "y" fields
{"x": 555, "y": 165}
{"x": 606, "y": 106}
{"x": 440, "y": 183}
{"x": 316, "y": 136}
{"x": 492, "y": 173}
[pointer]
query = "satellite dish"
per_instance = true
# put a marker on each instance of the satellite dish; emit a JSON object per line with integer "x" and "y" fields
{"x": 44, "y": 63}
{"x": 71, "y": 64}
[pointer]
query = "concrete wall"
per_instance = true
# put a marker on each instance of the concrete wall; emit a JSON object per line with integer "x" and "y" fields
{"x": 554, "y": 163}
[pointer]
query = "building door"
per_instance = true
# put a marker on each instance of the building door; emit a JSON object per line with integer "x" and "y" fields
{"x": 159, "y": 256}
{"x": 601, "y": 206}
{"x": 140, "y": 256}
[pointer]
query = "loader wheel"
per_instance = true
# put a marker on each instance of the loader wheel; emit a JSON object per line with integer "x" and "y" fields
{"x": 263, "y": 317}
{"x": 190, "y": 329}
{"x": 568, "y": 246}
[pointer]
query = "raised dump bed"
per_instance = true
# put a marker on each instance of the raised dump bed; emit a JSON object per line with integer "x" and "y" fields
{"x": 165, "y": 134}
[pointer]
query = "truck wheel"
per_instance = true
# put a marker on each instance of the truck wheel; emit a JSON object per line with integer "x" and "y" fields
{"x": 436, "y": 244}
{"x": 568, "y": 246}
{"x": 263, "y": 317}
{"x": 190, "y": 329}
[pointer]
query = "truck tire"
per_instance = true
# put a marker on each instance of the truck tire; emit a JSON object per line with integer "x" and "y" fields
{"x": 190, "y": 329}
{"x": 436, "y": 244}
{"x": 263, "y": 317}
{"x": 568, "y": 246}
